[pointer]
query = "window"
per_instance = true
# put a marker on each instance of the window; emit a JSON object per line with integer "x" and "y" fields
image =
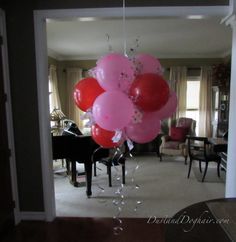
{"x": 54, "y": 100}
{"x": 192, "y": 102}
{"x": 51, "y": 99}
{"x": 215, "y": 111}
{"x": 215, "y": 103}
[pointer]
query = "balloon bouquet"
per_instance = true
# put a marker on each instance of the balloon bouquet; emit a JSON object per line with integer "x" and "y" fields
{"x": 126, "y": 99}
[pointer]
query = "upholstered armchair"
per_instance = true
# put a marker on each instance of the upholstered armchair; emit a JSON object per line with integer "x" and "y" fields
{"x": 175, "y": 143}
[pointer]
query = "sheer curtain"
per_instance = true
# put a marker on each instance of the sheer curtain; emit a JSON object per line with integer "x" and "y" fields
{"x": 178, "y": 83}
{"x": 73, "y": 75}
{"x": 205, "y": 102}
{"x": 54, "y": 99}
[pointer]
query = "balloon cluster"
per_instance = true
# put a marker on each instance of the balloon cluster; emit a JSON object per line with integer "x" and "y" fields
{"x": 126, "y": 99}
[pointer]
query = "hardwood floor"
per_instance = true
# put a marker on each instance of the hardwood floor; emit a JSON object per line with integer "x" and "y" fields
{"x": 86, "y": 229}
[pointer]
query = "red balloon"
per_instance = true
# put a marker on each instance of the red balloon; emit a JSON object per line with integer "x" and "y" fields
{"x": 149, "y": 91}
{"x": 85, "y": 93}
{"x": 104, "y": 137}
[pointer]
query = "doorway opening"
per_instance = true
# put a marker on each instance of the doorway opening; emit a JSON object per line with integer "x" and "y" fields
{"x": 42, "y": 76}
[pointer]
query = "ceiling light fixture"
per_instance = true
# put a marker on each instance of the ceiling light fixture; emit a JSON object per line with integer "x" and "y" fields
{"x": 195, "y": 17}
{"x": 87, "y": 19}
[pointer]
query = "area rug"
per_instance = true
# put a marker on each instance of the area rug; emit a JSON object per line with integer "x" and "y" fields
{"x": 162, "y": 187}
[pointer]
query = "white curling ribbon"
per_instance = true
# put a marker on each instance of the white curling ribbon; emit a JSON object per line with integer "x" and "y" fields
{"x": 137, "y": 186}
{"x": 137, "y": 204}
{"x": 88, "y": 115}
{"x": 85, "y": 115}
{"x": 89, "y": 124}
{"x": 92, "y": 72}
{"x": 117, "y": 137}
{"x": 117, "y": 230}
{"x": 119, "y": 190}
{"x": 115, "y": 202}
{"x": 160, "y": 71}
{"x": 101, "y": 188}
{"x": 130, "y": 144}
{"x": 118, "y": 220}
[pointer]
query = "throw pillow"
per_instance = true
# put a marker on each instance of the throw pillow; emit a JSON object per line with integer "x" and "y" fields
{"x": 178, "y": 133}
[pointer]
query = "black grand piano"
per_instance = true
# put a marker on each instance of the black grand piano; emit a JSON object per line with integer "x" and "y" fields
{"x": 77, "y": 148}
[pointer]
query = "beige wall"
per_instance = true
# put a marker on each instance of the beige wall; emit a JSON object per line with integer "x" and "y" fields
{"x": 192, "y": 64}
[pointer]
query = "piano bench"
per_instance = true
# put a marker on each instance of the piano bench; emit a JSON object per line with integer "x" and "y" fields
{"x": 109, "y": 162}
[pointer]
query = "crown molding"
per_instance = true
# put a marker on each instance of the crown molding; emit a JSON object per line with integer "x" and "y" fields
{"x": 55, "y": 55}
{"x": 160, "y": 56}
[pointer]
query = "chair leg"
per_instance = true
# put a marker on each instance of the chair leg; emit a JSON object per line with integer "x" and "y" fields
{"x": 218, "y": 168}
{"x": 185, "y": 160}
{"x": 190, "y": 166}
{"x": 109, "y": 174}
{"x": 95, "y": 168}
{"x": 205, "y": 171}
{"x": 200, "y": 166}
{"x": 160, "y": 156}
{"x": 123, "y": 174}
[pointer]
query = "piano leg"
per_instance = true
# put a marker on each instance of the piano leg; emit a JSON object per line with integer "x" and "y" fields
{"x": 88, "y": 172}
{"x": 68, "y": 170}
{"x": 88, "y": 175}
{"x": 74, "y": 174}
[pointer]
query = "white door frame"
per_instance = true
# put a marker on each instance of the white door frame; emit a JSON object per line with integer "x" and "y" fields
{"x": 40, "y": 17}
{"x": 10, "y": 133}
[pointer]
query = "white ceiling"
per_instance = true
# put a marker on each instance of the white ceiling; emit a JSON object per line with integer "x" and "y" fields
{"x": 170, "y": 37}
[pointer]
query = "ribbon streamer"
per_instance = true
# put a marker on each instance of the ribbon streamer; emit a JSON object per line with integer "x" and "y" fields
{"x": 124, "y": 29}
{"x": 135, "y": 185}
{"x": 129, "y": 144}
{"x": 120, "y": 201}
{"x": 88, "y": 115}
{"x": 108, "y": 41}
{"x": 133, "y": 50}
{"x": 117, "y": 137}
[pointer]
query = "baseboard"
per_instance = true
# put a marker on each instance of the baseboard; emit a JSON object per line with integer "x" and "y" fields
{"x": 33, "y": 216}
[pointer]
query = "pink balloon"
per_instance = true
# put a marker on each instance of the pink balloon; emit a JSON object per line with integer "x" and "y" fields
{"x": 115, "y": 72}
{"x": 145, "y": 131}
{"x": 147, "y": 64}
{"x": 169, "y": 108}
{"x": 112, "y": 110}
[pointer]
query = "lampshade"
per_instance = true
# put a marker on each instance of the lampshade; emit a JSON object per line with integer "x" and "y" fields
{"x": 57, "y": 115}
